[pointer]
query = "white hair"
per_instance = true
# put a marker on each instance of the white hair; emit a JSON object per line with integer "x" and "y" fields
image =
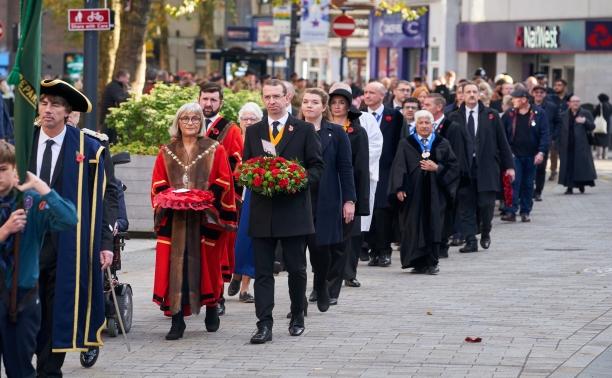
{"x": 190, "y": 107}
{"x": 251, "y": 107}
{"x": 378, "y": 86}
{"x": 423, "y": 114}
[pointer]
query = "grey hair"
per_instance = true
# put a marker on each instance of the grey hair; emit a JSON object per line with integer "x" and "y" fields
{"x": 251, "y": 107}
{"x": 377, "y": 85}
{"x": 190, "y": 107}
{"x": 289, "y": 88}
{"x": 423, "y": 114}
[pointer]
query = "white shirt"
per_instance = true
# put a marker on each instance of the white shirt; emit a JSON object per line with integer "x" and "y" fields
{"x": 212, "y": 120}
{"x": 379, "y": 112}
{"x": 282, "y": 121}
{"x": 55, "y": 149}
{"x": 474, "y": 115}
{"x": 439, "y": 121}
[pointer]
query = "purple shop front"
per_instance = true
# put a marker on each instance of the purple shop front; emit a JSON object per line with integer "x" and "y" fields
{"x": 397, "y": 47}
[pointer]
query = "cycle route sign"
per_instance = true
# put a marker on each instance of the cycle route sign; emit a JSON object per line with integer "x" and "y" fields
{"x": 91, "y": 19}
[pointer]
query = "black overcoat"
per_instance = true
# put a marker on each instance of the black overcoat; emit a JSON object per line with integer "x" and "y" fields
{"x": 391, "y": 128}
{"x": 583, "y": 166}
{"x": 427, "y": 195}
{"x": 285, "y": 215}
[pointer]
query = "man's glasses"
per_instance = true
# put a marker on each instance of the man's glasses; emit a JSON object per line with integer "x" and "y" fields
{"x": 411, "y": 108}
{"x": 190, "y": 119}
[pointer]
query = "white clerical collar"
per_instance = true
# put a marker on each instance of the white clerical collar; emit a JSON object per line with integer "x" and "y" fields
{"x": 58, "y": 139}
{"x": 282, "y": 120}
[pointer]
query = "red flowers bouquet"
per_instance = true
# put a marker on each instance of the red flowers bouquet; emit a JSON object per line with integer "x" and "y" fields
{"x": 270, "y": 176}
{"x": 182, "y": 199}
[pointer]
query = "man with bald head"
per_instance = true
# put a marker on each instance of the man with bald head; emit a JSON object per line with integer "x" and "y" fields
{"x": 390, "y": 122}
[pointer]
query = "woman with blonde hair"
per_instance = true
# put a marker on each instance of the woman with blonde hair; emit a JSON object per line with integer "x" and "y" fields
{"x": 420, "y": 93}
{"x": 189, "y": 244}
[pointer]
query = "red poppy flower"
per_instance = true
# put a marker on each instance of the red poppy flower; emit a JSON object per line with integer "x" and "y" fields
{"x": 388, "y": 118}
{"x": 79, "y": 157}
{"x": 491, "y": 116}
{"x": 283, "y": 183}
{"x": 215, "y": 131}
{"x": 349, "y": 130}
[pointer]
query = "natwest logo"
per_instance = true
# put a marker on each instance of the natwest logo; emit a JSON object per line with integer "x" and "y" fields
{"x": 538, "y": 37}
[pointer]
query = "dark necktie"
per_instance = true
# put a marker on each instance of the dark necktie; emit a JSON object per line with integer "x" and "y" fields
{"x": 275, "y": 125}
{"x": 208, "y": 121}
{"x": 424, "y": 141}
{"x": 375, "y": 116}
{"x": 45, "y": 167}
{"x": 471, "y": 125}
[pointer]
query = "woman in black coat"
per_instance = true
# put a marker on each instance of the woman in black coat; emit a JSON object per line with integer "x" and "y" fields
{"x": 333, "y": 198}
{"x": 603, "y": 140}
{"x": 345, "y": 256}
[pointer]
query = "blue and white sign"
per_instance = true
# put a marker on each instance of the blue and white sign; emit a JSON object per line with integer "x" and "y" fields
{"x": 389, "y": 30}
{"x": 314, "y": 24}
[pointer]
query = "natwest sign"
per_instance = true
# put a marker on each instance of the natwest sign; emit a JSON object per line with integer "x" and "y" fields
{"x": 538, "y": 36}
{"x": 89, "y": 19}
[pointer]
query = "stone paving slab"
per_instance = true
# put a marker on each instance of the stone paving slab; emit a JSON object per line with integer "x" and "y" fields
{"x": 540, "y": 298}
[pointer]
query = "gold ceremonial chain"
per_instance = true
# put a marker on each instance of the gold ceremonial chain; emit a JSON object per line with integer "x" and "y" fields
{"x": 186, "y": 167}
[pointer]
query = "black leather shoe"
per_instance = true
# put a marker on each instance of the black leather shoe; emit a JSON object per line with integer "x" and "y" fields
{"x": 432, "y": 270}
{"x": 509, "y": 217}
{"x": 333, "y": 301}
{"x": 221, "y": 307}
{"x": 485, "y": 241}
{"x": 537, "y": 197}
{"x": 233, "y": 288}
{"x": 385, "y": 261}
{"x": 525, "y": 218}
{"x": 581, "y": 188}
{"x": 296, "y": 325}
{"x": 457, "y": 241}
{"x": 443, "y": 254}
{"x": 373, "y": 261}
{"x": 178, "y": 327}
{"x": 278, "y": 267}
{"x": 313, "y": 296}
{"x": 469, "y": 247}
{"x": 418, "y": 270}
{"x": 352, "y": 283}
{"x": 262, "y": 336}
{"x": 212, "y": 321}
{"x": 569, "y": 191}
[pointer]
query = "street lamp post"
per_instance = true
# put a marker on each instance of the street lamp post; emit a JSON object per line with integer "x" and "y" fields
{"x": 90, "y": 71}
{"x": 292, "y": 41}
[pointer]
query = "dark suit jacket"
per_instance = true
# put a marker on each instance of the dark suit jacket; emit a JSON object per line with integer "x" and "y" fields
{"x": 391, "y": 128}
{"x": 336, "y": 185}
{"x": 457, "y": 137}
{"x": 285, "y": 215}
{"x": 539, "y": 132}
{"x": 360, "y": 152}
{"x": 493, "y": 153}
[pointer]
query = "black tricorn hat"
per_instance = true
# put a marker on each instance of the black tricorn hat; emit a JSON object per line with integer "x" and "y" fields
{"x": 77, "y": 100}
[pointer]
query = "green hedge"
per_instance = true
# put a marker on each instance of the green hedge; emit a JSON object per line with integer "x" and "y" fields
{"x": 142, "y": 124}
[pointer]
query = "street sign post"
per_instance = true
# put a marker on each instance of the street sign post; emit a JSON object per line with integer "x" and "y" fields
{"x": 89, "y": 19}
{"x": 344, "y": 26}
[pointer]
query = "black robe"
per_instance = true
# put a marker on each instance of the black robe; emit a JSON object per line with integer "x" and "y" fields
{"x": 427, "y": 195}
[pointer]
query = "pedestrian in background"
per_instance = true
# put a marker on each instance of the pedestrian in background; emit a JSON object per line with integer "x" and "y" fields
{"x": 114, "y": 94}
{"x": 602, "y": 136}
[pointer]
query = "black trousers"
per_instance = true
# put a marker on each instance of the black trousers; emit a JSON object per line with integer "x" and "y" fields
{"x": 19, "y": 339}
{"x": 354, "y": 248}
{"x": 339, "y": 255}
{"x": 540, "y": 177}
{"x": 294, "y": 256}
{"x": 475, "y": 210}
{"x": 48, "y": 364}
{"x": 381, "y": 232}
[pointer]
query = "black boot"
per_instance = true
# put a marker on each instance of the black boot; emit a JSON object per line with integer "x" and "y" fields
{"x": 178, "y": 327}
{"x": 212, "y": 321}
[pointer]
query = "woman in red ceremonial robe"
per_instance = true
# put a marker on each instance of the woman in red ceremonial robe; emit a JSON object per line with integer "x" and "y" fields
{"x": 190, "y": 242}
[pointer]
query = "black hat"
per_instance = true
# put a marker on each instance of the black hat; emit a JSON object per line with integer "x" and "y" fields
{"x": 480, "y": 72}
{"x": 77, "y": 100}
{"x": 343, "y": 93}
{"x": 520, "y": 92}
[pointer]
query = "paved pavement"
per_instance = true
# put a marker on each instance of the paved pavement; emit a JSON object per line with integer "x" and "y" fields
{"x": 540, "y": 299}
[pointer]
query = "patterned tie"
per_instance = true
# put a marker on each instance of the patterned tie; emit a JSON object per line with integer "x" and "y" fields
{"x": 45, "y": 168}
{"x": 275, "y": 125}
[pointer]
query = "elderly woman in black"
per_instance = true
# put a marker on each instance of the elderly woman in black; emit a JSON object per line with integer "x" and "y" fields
{"x": 424, "y": 179}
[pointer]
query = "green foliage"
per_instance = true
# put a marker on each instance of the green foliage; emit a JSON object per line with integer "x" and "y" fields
{"x": 142, "y": 124}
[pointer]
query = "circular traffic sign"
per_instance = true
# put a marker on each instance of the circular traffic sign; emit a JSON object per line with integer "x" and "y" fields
{"x": 343, "y": 26}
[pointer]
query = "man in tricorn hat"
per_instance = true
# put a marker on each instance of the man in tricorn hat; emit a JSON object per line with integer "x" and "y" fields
{"x": 72, "y": 163}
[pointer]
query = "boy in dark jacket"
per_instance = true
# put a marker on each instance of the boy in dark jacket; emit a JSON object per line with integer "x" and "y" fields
{"x": 43, "y": 210}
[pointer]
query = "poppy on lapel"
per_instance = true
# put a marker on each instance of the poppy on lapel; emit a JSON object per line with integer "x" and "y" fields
{"x": 388, "y": 118}
{"x": 491, "y": 116}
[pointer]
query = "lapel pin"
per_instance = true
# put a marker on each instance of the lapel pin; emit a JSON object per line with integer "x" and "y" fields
{"x": 290, "y": 128}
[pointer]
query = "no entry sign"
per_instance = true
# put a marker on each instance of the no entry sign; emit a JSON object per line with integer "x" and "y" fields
{"x": 89, "y": 19}
{"x": 344, "y": 26}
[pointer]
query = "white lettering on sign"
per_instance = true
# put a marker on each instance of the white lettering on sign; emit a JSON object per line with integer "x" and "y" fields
{"x": 541, "y": 37}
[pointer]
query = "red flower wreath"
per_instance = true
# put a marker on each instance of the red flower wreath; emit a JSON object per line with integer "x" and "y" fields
{"x": 270, "y": 176}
